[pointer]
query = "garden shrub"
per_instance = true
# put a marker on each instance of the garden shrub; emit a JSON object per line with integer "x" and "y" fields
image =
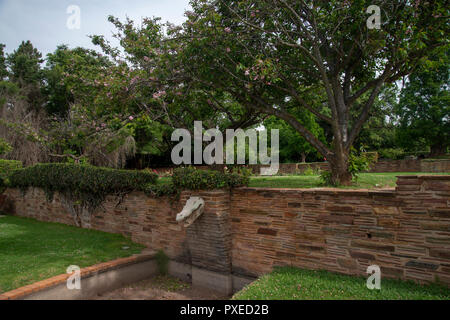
{"x": 358, "y": 163}
{"x": 84, "y": 183}
{"x": 160, "y": 190}
{"x": 192, "y": 179}
{"x": 391, "y": 153}
{"x": 7, "y": 167}
{"x": 327, "y": 178}
{"x": 162, "y": 262}
{"x": 5, "y": 147}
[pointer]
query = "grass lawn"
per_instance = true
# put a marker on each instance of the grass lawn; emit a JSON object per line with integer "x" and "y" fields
{"x": 289, "y": 283}
{"x": 31, "y": 251}
{"x": 365, "y": 181}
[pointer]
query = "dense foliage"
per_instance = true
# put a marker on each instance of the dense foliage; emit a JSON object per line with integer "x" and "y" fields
{"x": 87, "y": 184}
{"x": 285, "y": 57}
{"x": 7, "y": 167}
{"x": 424, "y": 107}
{"x": 193, "y": 179}
{"x": 310, "y": 68}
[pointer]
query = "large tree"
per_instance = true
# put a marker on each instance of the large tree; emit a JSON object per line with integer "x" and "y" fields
{"x": 3, "y": 70}
{"x": 424, "y": 107}
{"x": 25, "y": 70}
{"x": 266, "y": 54}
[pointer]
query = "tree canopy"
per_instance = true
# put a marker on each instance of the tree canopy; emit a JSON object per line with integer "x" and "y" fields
{"x": 424, "y": 106}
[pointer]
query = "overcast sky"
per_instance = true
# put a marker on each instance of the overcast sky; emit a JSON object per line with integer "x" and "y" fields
{"x": 44, "y": 22}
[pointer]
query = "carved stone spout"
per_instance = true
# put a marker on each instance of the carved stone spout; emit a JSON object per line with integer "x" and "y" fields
{"x": 191, "y": 211}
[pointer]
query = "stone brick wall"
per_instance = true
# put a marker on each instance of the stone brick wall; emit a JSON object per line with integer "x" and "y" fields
{"x": 209, "y": 237}
{"x": 397, "y": 166}
{"x": 435, "y": 165}
{"x": 405, "y": 231}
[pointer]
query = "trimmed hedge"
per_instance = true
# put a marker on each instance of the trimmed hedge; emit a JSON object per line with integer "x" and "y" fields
{"x": 91, "y": 185}
{"x": 161, "y": 190}
{"x": 7, "y": 167}
{"x": 192, "y": 179}
{"x": 86, "y": 183}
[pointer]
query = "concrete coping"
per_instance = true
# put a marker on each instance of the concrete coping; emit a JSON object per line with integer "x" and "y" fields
{"x": 85, "y": 273}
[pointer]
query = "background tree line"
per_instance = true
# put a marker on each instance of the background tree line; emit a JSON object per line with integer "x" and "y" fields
{"x": 309, "y": 68}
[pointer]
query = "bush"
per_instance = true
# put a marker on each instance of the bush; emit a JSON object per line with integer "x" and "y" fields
{"x": 7, "y": 167}
{"x": 86, "y": 183}
{"x": 160, "y": 190}
{"x": 326, "y": 178}
{"x": 193, "y": 179}
{"x": 392, "y": 153}
{"x": 162, "y": 262}
{"x": 358, "y": 163}
{"x": 5, "y": 147}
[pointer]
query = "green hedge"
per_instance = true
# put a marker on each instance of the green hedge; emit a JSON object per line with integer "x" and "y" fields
{"x": 7, "y": 167}
{"x": 86, "y": 183}
{"x": 192, "y": 179}
{"x": 91, "y": 184}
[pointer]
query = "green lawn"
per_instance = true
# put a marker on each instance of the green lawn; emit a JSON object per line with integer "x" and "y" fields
{"x": 31, "y": 251}
{"x": 365, "y": 181}
{"x": 289, "y": 283}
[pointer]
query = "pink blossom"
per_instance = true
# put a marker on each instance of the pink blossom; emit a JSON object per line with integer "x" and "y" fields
{"x": 228, "y": 50}
{"x": 98, "y": 129}
{"x": 247, "y": 72}
{"x": 227, "y": 30}
{"x": 158, "y": 94}
{"x": 134, "y": 80}
{"x": 131, "y": 118}
{"x": 146, "y": 59}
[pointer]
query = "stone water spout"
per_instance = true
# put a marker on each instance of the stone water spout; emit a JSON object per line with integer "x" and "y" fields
{"x": 192, "y": 211}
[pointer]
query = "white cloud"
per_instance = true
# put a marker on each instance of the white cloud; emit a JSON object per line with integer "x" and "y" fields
{"x": 43, "y": 22}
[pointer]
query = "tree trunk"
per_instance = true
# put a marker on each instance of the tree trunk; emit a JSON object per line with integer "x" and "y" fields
{"x": 303, "y": 157}
{"x": 339, "y": 170}
{"x": 437, "y": 149}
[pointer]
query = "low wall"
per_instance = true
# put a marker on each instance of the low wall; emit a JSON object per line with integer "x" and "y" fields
{"x": 247, "y": 232}
{"x": 405, "y": 231}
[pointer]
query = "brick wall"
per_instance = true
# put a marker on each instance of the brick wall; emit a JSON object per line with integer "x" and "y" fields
{"x": 405, "y": 231}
